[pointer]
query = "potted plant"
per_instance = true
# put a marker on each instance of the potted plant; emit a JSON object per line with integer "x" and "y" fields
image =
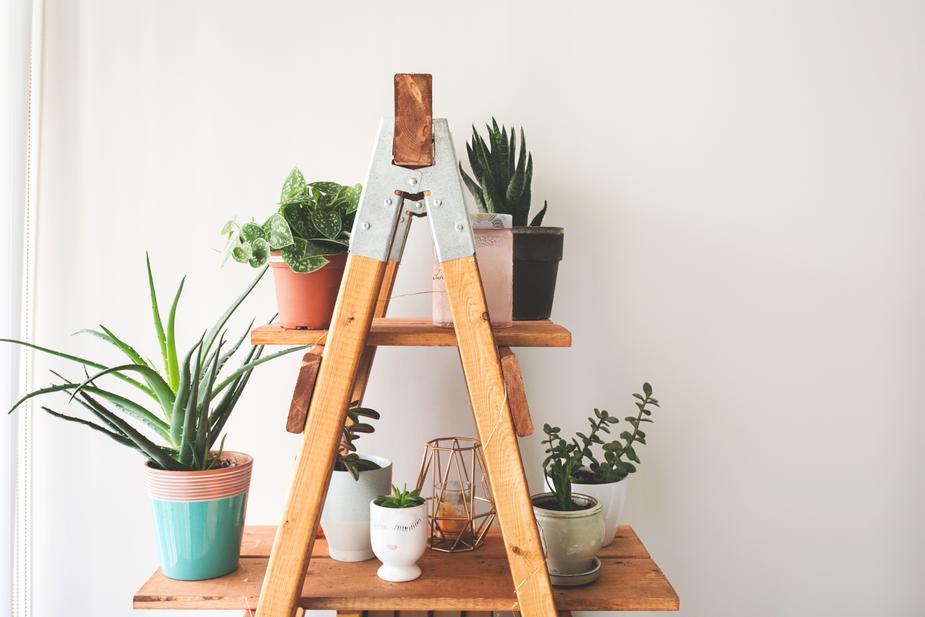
{"x": 305, "y": 242}
{"x": 503, "y": 186}
{"x": 605, "y": 478}
{"x": 571, "y": 524}
{"x": 198, "y": 489}
{"x": 398, "y": 531}
{"x": 357, "y": 479}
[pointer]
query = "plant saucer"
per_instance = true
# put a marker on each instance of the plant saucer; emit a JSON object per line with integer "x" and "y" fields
{"x": 576, "y": 580}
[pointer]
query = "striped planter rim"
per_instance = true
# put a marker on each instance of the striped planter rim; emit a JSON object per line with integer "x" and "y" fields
{"x": 206, "y": 485}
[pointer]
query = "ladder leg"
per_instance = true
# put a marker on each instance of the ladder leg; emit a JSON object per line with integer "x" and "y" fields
{"x": 343, "y": 349}
{"x": 485, "y": 382}
{"x": 369, "y": 354}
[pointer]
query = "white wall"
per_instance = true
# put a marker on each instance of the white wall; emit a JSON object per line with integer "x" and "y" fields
{"x": 741, "y": 184}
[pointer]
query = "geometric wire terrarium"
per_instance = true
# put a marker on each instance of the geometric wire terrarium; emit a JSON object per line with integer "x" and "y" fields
{"x": 460, "y": 508}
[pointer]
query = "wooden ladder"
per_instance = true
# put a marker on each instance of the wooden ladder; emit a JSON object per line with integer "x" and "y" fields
{"x": 413, "y": 162}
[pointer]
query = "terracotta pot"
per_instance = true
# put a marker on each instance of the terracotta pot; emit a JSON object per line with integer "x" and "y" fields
{"x": 306, "y": 300}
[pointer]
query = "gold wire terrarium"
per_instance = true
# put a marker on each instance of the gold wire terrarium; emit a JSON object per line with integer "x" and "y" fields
{"x": 460, "y": 507}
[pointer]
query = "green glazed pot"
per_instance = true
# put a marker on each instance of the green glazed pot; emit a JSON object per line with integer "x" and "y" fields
{"x": 199, "y": 517}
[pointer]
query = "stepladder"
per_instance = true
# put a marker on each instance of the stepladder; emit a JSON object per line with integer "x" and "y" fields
{"x": 412, "y": 174}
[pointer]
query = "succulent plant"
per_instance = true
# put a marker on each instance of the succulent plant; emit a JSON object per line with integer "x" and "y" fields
{"x": 400, "y": 498}
{"x": 193, "y": 401}
{"x": 347, "y": 457}
{"x": 313, "y": 220}
{"x": 500, "y": 184}
{"x": 574, "y": 460}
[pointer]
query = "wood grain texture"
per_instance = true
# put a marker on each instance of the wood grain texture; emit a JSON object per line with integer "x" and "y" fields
{"x": 482, "y": 370}
{"x": 516, "y": 394}
{"x": 413, "y": 140}
{"x": 476, "y": 581}
{"x": 421, "y": 332}
{"x": 304, "y": 386}
{"x": 292, "y": 545}
{"x": 369, "y": 354}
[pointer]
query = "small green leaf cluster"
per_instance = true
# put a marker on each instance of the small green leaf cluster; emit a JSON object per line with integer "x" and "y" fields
{"x": 313, "y": 221}
{"x": 347, "y": 457}
{"x": 400, "y": 498}
{"x": 619, "y": 455}
{"x": 192, "y": 400}
{"x": 562, "y": 460}
{"x": 500, "y": 184}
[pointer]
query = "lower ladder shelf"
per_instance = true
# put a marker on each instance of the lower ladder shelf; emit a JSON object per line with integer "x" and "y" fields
{"x": 478, "y": 581}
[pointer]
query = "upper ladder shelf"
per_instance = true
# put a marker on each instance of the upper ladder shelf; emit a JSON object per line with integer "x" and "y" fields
{"x": 420, "y": 332}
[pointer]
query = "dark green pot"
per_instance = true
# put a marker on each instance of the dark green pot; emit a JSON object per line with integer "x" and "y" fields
{"x": 537, "y": 252}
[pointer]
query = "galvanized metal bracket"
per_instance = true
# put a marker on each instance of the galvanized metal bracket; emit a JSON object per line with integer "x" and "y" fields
{"x": 380, "y": 227}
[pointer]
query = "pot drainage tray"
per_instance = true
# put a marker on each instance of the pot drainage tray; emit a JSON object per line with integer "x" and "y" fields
{"x": 575, "y": 580}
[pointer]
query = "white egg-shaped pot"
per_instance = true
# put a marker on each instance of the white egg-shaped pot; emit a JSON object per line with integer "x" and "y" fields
{"x": 345, "y": 517}
{"x": 399, "y": 538}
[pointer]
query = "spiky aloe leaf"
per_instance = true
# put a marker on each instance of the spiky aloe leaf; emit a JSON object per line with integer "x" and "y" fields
{"x": 108, "y": 336}
{"x": 220, "y": 324}
{"x": 125, "y": 441}
{"x": 162, "y": 390}
{"x": 156, "y": 314}
{"x": 201, "y": 445}
{"x": 178, "y": 416}
{"x": 187, "y": 452}
{"x": 78, "y": 360}
{"x": 173, "y": 371}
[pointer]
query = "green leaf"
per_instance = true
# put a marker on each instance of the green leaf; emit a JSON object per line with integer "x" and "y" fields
{"x": 302, "y": 256}
{"x": 220, "y": 324}
{"x": 156, "y": 313}
{"x": 647, "y": 389}
{"x": 327, "y": 222}
{"x": 178, "y": 418}
{"x": 293, "y": 187}
{"x": 352, "y": 197}
{"x": 250, "y": 365}
{"x": 260, "y": 252}
{"x": 299, "y": 219}
{"x": 538, "y": 219}
{"x": 173, "y": 372}
{"x": 474, "y": 189}
{"x": 251, "y": 232}
{"x": 121, "y": 439}
{"x": 161, "y": 388}
{"x": 242, "y": 253}
{"x": 329, "y": 189}
{"x": 277, "y": 231}
{"x": 77, "y": 359}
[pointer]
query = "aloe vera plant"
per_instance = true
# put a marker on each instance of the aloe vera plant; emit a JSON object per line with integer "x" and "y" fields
{"x": 186, "y": 402}
{"x": 313, "y": 221}
{"x": 501, "y": 185}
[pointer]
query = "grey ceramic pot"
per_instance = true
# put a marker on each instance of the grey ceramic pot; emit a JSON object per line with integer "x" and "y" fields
{"x": 345, "y": 518}
{"x": 572, "y": 538}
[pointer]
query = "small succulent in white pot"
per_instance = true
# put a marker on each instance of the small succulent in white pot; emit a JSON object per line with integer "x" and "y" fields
{"x": 357, "y": 479}
{"x": 606, "y": 464}
{"x": 398, "y": 531}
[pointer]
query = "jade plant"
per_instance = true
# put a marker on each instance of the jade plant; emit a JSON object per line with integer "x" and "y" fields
{"x": 181, "y": 407}
{"x": 400, "y": 498}
{"x": 619, "y": 454}
{"x": 501, "y": 185}
{"x": 574, "y": 460}
{"x": 347, "y": 457}
{"x": 313, "y": 221}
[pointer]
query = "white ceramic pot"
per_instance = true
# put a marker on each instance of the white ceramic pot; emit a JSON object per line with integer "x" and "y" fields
{"x": 399, "y": 538}
{"x": 572, "y": 538}
{"x": 612, "y": 497}
{"x": 345, "y": 518}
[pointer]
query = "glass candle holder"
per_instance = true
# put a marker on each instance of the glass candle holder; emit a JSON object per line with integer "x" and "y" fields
{"x": 494, "y": 253}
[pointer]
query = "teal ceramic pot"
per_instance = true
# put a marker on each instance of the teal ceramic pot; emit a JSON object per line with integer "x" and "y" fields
{"x": 199, "y": 517}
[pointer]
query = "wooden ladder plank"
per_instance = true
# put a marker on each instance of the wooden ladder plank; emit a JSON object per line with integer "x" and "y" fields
{"x": 413, "y": 141}
{"x": 292, "y": 545}
{"x": 304, "y": 386}
{"x": 516, "y": 393}
{"x": 421, "y": 332}
{"x": 482, "y": 370}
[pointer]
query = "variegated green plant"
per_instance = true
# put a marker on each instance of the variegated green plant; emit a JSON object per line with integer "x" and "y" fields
{"x": 191, "y": 397}
{"x": 501, "y": 184}
{"x": 313, "y": 220}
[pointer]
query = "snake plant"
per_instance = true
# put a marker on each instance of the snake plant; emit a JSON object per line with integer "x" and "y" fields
{"x": 500, "y": 185}
{"x": 185, "y": 404}
{"x": 313, "y": 220}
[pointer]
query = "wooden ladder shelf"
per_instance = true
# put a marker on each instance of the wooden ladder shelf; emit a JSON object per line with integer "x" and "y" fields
{"x": 413, "y": 161}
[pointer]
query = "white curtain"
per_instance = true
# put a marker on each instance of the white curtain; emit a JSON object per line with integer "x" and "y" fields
{"x": 16, "y": 21}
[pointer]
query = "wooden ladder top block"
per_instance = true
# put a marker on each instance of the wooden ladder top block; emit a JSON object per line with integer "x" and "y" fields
{"x": 421, "y": 332}
{"x": 476, "y": 581}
